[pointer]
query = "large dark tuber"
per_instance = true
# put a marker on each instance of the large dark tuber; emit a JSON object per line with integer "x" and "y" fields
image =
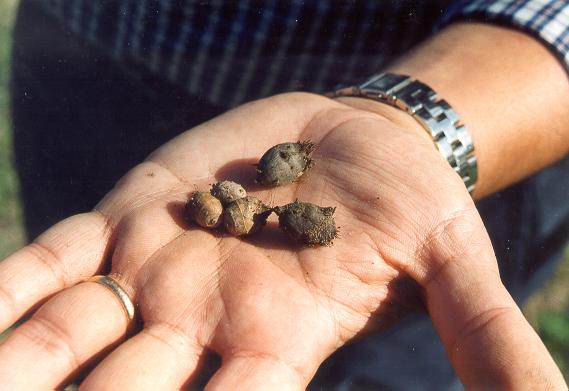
{"x": 308, "y": 223}
{"x": 284, "y": 163}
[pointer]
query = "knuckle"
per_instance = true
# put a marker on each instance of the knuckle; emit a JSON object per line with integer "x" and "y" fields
{"x": 457, "y": 236}
{"x": 50, "y": 337}
{"x": 50, "y": 261}
{"x": 274, "y": 361}
{"x": 479, "y": 323}
{"x": 454, "y": 230}
{"x": 7, "y": 304}
{"x": 173, "y": 337}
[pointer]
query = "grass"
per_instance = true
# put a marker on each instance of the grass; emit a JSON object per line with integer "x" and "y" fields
{"x": 11, "y": 230}
{"x": 548, "y": 311}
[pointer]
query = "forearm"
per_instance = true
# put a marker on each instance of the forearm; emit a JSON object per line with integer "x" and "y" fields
{"x": 509, "y": 90}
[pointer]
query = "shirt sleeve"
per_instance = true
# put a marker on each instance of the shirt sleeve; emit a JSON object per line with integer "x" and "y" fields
{"x": 546, "y": 20}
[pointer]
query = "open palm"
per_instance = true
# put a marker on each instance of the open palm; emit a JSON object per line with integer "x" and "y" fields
{"x": 272, "y": 309}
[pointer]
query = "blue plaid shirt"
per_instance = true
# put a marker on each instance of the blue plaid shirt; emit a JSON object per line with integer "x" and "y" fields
{"x": 546, "y": 20}
{"x": 228, "y": 52}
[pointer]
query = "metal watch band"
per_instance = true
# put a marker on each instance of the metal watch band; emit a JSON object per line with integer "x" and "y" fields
{"x": 436, "y": 116}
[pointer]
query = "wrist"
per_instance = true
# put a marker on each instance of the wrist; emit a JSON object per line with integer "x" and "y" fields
{"x": 390, "y": 113}
{"x": 439, "y": 120}
{"x": 514, "y": 109}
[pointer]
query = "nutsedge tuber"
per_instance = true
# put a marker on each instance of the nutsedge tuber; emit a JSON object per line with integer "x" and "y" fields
{"x": 284, "y": 163}
{"x": 245, "y": 216}
{"x": 227, "y": 191}
{"x": 308, "y": 223}
{"x": 204, "y": 209}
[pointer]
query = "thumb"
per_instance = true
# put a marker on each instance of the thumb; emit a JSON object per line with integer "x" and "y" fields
{"x": 488, "y": 340}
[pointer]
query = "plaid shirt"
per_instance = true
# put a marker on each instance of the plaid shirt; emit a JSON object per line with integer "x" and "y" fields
{"x": 228, "y": 52}
{"x": 546, "y": 20}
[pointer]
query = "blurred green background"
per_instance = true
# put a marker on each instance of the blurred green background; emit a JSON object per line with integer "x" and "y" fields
{"x": 11, "y": 232}
{"x": 548, "y": 311}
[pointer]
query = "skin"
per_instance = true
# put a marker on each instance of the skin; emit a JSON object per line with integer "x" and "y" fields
{"x": 411, "y": 238}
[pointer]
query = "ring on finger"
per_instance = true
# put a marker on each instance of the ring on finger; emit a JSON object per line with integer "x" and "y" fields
{"x": 119, "y": 292}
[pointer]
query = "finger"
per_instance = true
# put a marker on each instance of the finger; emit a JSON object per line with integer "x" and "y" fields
{"x": 252, "y": 371}
{"x": 65, "y": 254}
{"x": 489, "y": 342}
{"x": 65, "y": 333}
{"x": 160, "y": 357}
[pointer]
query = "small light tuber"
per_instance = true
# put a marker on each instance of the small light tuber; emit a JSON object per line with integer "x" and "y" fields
{"x": 245, "y": 216}
{"x": 204, "y": 209}
{"x": 227, "y": 191}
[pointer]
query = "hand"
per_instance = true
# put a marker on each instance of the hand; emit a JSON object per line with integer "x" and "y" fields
{"x": 273, "y": 310}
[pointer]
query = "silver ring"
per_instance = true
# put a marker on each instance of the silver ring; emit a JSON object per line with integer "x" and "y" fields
{"x": 120, "y": 293}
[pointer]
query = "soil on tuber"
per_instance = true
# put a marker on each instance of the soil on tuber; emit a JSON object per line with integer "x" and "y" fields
{"x": 308, "y": 223}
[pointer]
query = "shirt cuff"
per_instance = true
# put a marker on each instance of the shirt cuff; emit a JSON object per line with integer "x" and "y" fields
{"x": 548, "y": 21}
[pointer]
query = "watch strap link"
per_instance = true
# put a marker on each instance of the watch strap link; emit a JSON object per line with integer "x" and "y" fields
{"x": 437, "y": 117}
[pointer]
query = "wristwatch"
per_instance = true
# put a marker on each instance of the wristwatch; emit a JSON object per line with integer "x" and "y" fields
{"x": 452, "y": 139}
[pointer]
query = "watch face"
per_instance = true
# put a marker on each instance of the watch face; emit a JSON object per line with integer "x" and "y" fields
{"x": 386, "y": 82}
